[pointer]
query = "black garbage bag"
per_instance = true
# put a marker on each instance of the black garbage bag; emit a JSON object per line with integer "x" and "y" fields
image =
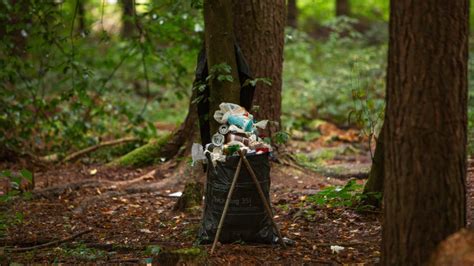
{"x": 246, "y": 219}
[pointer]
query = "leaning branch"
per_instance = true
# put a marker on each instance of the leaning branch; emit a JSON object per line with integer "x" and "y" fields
{"x": 52, "y": 243}
{"x": 55, "y": 158}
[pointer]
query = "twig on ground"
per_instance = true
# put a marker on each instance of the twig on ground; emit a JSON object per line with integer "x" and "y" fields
{"x": 58, "y": 190}
{"x": 347, "y": 244}
{"x": 52, "y": 243}
{"x": 149, "y": 175}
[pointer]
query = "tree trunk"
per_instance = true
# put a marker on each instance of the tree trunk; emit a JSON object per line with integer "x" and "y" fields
{"x": 373, "y": 188}
{"x": 13, "y": 27}
{"x": 81, "y": 16}
{"x": 219, "y": 38}
{"x": 425, "y": 136}
{"x": 292, "y": 20}
{"x": 260, "y": 31}
{"x": 343, "y": 8}
{"x": 128, "y": 25}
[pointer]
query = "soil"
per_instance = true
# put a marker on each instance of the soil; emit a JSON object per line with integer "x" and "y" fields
{"x": 128, "y": 224}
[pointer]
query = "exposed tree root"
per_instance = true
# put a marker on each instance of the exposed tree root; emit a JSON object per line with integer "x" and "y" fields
{"x": 144, "y": 155}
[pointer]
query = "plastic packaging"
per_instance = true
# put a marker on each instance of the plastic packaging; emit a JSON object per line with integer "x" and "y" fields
{"x": 218, "y": 139}
{"x": 227, "y": 109}
{"x": 197, "y": 153}
{"x": 241, "y": 121}
{"x": 234, "y": 137}
{"x": 224, "y": 129}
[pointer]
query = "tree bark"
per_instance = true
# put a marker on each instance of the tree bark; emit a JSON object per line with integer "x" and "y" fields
{"x": 81, "y": 16}
{"x": 425, "y": 136}
{"x": 13, "y": 27}
{"x": 219, "y": 39}
{"x": 374, "y": 185}
{"x": 343, "y": 8}
{"x": 292, "y": 19}
{"x": 128, "y": 25}
{"x": 260, "y": 31}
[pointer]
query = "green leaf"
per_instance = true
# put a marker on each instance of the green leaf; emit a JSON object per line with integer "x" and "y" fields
{"x": 27, "y": 174}
{"x": 153, "y": 250}
{"x": 281, "y": 137}
{"x": 6, "y": 173}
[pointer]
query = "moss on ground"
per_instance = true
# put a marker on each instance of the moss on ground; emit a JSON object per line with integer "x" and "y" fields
{"x": 144, "y": 155}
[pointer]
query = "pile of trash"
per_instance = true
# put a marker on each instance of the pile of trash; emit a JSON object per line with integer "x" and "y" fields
{"x": 238, "y": 131}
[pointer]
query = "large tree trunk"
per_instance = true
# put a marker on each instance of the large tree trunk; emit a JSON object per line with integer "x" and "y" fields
{"x": 128, "y": 14}
{"x": 343, "y": 8}
{"x": 260, "y": 31}
{"x": 292, "y": 19}
{"x": 425, "y": 136}
{"x": 219, "y": 38}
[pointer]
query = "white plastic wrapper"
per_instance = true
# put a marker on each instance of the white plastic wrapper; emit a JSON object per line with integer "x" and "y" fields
{"x": 227, "y": 109}
{"x": 197, "y": 153}
{"x": 261, "y": 124}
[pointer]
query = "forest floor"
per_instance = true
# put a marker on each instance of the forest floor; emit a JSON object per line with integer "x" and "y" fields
{"x": 127, "y": 216}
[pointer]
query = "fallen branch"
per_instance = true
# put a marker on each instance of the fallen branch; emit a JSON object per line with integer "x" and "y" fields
{"x": 58, "y": 190}
{"x": 52, "y": 243}
{"x": 147, "y": 176}
{"x": 52, "y": 158}
{"x": 100, "y": 145}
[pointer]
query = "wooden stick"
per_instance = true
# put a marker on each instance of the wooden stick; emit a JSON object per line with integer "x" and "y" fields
{"x": 52, "y": 243}
{"x": 262, "y": 197}
{"x": 226, "y": 205}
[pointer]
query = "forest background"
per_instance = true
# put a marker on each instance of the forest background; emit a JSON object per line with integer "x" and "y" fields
{"x": 77, "y": 73}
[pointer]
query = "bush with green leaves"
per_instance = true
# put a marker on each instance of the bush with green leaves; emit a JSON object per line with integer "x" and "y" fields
{"x": 341, "y": 79}
{"x": 72, "y": 89}
{"x": 15, "y": 182}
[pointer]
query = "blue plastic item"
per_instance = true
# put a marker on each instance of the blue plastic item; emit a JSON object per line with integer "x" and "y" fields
{"x": 243, "y": 122}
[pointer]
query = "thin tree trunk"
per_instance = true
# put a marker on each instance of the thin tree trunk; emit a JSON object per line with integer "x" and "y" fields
{"x": 374, "y": 186}
{"x": 219, "y": 38}
{"x": 425, "y": 136}
{"x": 260, "y": 31}
{"x": 81, "y": 16}
{"x": 343, "y": 8}
{"x": 292, "y": 20}
{"x": 14, "y": 26}
{"x": 128, "y": 25}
